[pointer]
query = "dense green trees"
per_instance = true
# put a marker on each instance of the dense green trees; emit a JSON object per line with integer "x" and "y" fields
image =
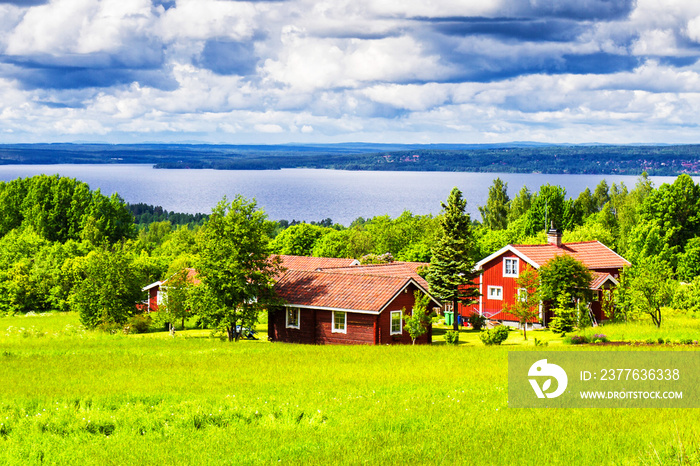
{"x": 60, "y": 209}
{"x": 106, "y": 288}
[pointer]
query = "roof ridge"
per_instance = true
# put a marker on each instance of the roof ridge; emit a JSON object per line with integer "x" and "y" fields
{"x": 350, "y": 274}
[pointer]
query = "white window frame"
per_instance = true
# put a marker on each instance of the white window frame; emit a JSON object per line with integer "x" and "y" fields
{"x": 490, "y": 295}
{"x": 391, "y": 323}
{"x": 298, "y": 319}
{"x": 345, "y": 322}
{"x": 516, "y": 267}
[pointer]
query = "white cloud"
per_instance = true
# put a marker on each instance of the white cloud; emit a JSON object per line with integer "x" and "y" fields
{"x": 205, "y": 19}
{"x": 308, "y": 63}
{"x": 80, "y": 26}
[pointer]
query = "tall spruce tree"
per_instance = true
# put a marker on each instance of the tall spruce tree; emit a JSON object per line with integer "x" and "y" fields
{"x": 451, "y": 273}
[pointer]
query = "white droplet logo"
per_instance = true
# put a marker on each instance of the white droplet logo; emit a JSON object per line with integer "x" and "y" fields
{"x": 541, "y": 369}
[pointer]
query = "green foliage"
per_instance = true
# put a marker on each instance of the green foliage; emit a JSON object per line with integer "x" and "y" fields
{"x": 140, "y": 323}
{"x": 687, "y": 297}
{"x": 369, "y": 259}
{"x": 565, "y": 314}
{"x": 689, "y": 261}
{"x": 177, "y": 298}
{"x": 477, "y": 321}
{"x": 452, "y": 337}
{"x": 520, "y": 204}
{"x": 235, "y": 266}
{"x": 495, "y": 213}
{"x": 106, "y": 289}
{"x": 601, "y": 195}
{"x": 451, "y": 273}
{"x": 418, "y": 322}
{"x": 675, "y": 209}
{"x": 646, "y": 288}
{"x": 298, "y": 240}
{"x": 494, "y": 336}
{"x": 527, "y": 305}
{"x": 564, "y": 275}
{"x": 548, "y": 205}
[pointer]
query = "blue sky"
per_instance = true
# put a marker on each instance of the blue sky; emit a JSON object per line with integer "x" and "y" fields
{"x": 413, "y": 71}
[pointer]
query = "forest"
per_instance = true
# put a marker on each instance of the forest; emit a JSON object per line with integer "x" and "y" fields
{"x": 494, "y": 158}
{"x": 65, "y": 247}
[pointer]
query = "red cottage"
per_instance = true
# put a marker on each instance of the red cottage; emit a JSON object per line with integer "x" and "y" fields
{"x": 337, "y": 307}
{"x": 156, "y": 290}
{"x": 500, "y": 270}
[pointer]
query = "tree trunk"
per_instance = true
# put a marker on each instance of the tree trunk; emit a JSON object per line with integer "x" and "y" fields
{"x": 183, "y": 323}
{"x": 525, "y": 331}
{"x": 230, "y": 330}
{"x": 455, "y": 324}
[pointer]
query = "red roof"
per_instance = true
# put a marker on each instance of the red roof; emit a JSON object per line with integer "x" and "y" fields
{"x": 343, "y": 291}
{"x": 594, "y": 254}
{"x": 391, "y": 269}
{"x": 599, "y": 280}
{"x": 314, "y": 263}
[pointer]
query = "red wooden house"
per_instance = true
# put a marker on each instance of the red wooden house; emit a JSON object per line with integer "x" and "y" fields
{"x": 500, "y": 270}
{"x": 156, "y": 290}
{"x": 346, "y": 305}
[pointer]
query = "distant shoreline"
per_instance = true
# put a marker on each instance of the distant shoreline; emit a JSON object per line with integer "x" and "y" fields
{"x": 656, "y": 160}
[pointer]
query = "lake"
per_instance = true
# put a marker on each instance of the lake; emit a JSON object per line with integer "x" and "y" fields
{"x": 307, "y": 194}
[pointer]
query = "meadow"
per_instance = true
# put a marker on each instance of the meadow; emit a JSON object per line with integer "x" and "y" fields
{"x": 69, "y": 396}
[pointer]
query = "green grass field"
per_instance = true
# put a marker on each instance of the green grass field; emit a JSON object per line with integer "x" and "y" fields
{"x": 73, "y": 397}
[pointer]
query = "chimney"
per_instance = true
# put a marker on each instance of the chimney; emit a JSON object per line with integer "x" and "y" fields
{"x": 554, "y": 236}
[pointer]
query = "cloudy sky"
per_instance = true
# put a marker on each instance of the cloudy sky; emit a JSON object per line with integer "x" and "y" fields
{"x": 414, "y": 71}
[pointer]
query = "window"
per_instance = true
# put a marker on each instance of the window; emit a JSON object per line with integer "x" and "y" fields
{"x": 292, "y": 317}
{"x": 339, "y": 324}
{"x": 495, "y": 292}
{"x": 510, "y": 267}
{"x": 396, "y": 323}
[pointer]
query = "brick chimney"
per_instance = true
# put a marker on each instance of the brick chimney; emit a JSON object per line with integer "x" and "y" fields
{"x": 554, "y": 236}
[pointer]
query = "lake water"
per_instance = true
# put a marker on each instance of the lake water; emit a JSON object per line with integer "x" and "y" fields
{"x": 307, "y": 194}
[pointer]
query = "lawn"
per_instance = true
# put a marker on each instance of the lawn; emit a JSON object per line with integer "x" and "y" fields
{"x": 73, "y": 397}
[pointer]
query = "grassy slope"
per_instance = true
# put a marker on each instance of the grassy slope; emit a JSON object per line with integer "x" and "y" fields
{"x": 72, "y": 397}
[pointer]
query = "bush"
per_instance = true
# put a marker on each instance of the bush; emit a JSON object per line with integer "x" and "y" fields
{"x": 576, "y": 340}
{"x": 539, "y": 342}
{"x": 451, "y": 337}
{"x": 599, "y": 338}
{"x": 495, "y": 336}
{"x": 477, "y": 321}
{"x": 140, "y": 323}
{"x": 563, "y": 322}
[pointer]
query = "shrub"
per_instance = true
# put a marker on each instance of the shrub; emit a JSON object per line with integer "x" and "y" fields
{"x": 564, "y": 320}
{"x": 495, "y": 336}
{"x": 599, "y": 337}
{"x": 660, "y": 340}
{"x": 140, "y": 323}
{"x": 686, "y": 341}
{"x": 451, "y": 337}
{"x": 576, "y": 340}
{"x": 477, "y": 321}
{"x": 539, "y": 342}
